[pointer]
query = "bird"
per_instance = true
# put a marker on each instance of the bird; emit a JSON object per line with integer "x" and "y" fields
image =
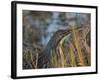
{"x": 45, "y": 55}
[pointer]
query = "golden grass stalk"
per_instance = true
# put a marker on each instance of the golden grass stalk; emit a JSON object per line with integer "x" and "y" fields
{"x": 76, "y": 41}
{"x": 53, "y": 60}
{"x": 61, "y": 51}
{"x": 36, "y": 59}
{"x": 31, "y": 58}
{"x": 73, "y": 62}
{"x": 61, "y": 56}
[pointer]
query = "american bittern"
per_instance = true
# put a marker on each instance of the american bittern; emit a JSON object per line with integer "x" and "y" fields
{"x": 45, "y": 55}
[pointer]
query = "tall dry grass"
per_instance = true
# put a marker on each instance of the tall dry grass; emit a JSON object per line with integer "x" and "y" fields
{"x": 78, "y": 50}
{"x": 72, "y": 51}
